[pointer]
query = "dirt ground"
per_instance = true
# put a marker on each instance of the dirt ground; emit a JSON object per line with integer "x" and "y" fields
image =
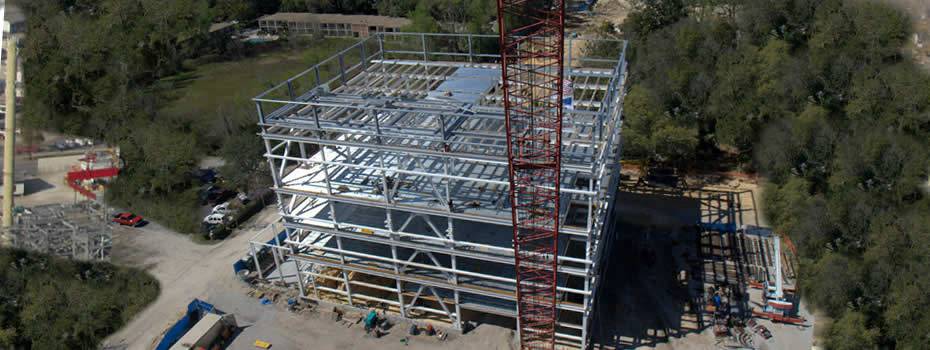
{"x": 645, "y": 303}
{"x": 315, "y": 329}
{"x": 187, "y": 270}
{"x": 613, "y": 11}
{"x": 184, "y": 269}
{"x": 49, "y": 185}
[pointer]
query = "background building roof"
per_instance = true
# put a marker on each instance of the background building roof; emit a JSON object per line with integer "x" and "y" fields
{"x": 368, "y": 20}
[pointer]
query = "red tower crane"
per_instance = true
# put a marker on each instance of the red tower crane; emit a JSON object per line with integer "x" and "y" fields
{"x": 532, "y": 46}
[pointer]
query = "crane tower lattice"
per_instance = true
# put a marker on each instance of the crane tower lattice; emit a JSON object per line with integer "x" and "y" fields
{"x": 532, "y": 46}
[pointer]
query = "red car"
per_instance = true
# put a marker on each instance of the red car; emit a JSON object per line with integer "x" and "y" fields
{"x": 127, "y": 219}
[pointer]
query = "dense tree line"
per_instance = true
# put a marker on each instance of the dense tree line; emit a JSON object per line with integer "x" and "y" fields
{"x": 819, "y": 97}
{"x": 52, "y": 303}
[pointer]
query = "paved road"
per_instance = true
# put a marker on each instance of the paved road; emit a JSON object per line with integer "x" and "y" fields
{"x": 185, "y": 270}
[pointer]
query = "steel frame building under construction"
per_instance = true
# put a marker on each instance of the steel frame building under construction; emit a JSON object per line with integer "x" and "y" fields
{"x": 77, "y": 231}
{"x": 389, "y": 161}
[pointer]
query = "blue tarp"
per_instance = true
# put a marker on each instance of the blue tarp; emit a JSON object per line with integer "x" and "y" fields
{"x": 241, "y": 264}
{"x": 195, "y": 311}
{"x": 281, "y": 237}
{"x": 719, "y": 227}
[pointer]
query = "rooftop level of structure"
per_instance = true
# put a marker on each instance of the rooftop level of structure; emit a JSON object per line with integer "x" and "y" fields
{"x": 306, "y": 17}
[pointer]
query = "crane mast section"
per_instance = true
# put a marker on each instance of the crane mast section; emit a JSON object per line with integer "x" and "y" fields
{"x": 532, "y": 47}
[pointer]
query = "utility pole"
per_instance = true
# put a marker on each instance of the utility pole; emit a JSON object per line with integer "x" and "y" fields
{"x": 9, "y": 140}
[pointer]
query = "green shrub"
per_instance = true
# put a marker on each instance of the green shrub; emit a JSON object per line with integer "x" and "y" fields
{"x": 53, "y": 303}
{"x": 178, "y": 211}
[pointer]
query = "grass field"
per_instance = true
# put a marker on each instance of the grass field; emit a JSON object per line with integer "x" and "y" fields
{"x": 210, "y": 104}
{"x": 216, "y": 96}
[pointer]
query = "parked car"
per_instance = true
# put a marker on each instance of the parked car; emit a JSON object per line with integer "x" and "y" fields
{"x": 243, "y": 198}
{"x": 127, "y": 219}
{"x": 214, "y": 219}
{"x": 214, "y": 194}
{"x": 222, "y": 209}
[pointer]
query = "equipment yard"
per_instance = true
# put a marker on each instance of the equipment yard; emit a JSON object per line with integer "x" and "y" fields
{"x": 648, "y": 309}
{"x": 205, "y": 272}
{"x": 663, "y": 265}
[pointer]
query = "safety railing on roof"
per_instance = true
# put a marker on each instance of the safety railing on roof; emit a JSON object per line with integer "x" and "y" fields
{"x": 338, "y": 69}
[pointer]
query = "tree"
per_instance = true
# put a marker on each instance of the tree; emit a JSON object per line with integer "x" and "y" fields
{"x": 328, "y": 6}
{"x": 818, "y": 92}
{"x": 93, "y": 67}
{"x": 91, "y": 70}
{"x": 396, "y": 8}
{"x": 480, "y": 14}
{"x": 849, "y": 36}
{"x": 884, "y": 163}
{"x": 777, "y": 153}
{"x": 422, "y": 20}
{"x": 650, "y": 15}
{"x": 234, "y": 10}
{"x": 608, "y": 46}
{"x": 245, "y": 167}
{"x": 266, "y": 6}
{"x": 852, "y": 332}
{"x": 791, "y": 21}
{"x": 816, "y": 138}
{"x": 52, "y": 303}
{"x": 833, "y": 283}
{"x": 294, "y": 6}
{"x": 649, "y": 134}
{"x": 897, "y": 96}
{"x": 800, "y": 214}
{"x": 755, "y": 85}
{"x": 899, "y": 254}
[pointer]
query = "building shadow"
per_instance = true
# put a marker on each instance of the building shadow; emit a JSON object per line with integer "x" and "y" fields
{"x": 35, "y": 185}
{"x": 674, "y": 248}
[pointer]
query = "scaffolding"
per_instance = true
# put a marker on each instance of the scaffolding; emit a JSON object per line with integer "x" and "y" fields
{"x": 532, "y": 39}
{"x": 389, "y": 161}
{"x": 76, "y": 231}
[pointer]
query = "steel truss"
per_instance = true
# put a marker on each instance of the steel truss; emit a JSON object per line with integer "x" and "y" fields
{"x": 76, "y": 231}
{"x": 395, "y": 197}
